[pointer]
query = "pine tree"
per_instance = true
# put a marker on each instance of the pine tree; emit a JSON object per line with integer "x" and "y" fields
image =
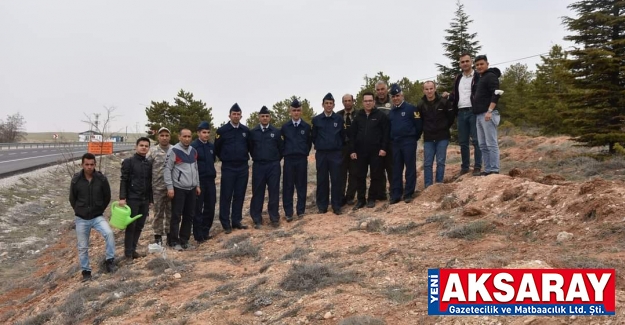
{"x": 596, "y": 115}
{"x": 515, "y": 81}
{"x": 458, "y": 41}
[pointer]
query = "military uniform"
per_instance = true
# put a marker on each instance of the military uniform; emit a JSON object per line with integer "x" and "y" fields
{"x": 206, "y": 201}
{"x": 297, "y": 144}
{"x": 162, "y": 203}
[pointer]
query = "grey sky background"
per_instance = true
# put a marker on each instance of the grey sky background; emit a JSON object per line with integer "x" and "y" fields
{"x": 61, "y": 59}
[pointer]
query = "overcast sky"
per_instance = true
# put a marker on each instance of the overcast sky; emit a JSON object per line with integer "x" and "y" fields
{"x": 62, "y": 59}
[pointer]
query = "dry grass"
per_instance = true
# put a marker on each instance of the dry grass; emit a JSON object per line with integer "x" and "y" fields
{"x": 470, "y": 231}
{"x": 312, "y": 277}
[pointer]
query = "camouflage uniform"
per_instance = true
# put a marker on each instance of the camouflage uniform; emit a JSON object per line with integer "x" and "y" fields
{"x": 162, "y": 204}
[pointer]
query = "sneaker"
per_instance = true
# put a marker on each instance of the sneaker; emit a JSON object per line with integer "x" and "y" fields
{"x": 289, "y": 218}
{"x": 371, "y": 204}
{"x": 477, "y": 172}
{"x": 359, "y": 204}
{"x": 463, "y": 172}
{"x": 86, "y": 276}
{"x": 109, "y": 266}
{"x": 178, "y": 247}
{"x": 137, "y": 255}
{"x": 259, "y": 226}
{"x": 275, "y": 224}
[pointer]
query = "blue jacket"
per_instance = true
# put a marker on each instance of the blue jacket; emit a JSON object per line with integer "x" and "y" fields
{"x": 231, "y": 145}
{"x": 328, "y": 132}
{"x": 406, "y": 122}
{"x": 266, "y": 146}
{"x": 205, "y": 159}
{"x": 297, "y": 141}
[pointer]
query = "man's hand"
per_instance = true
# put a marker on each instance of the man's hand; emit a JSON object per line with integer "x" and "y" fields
{"x": 445, "y": 94}
{"x": 198, "y": 190}
{"x": 487, "y": 116}
{"x": 353, "y": 156}
{"x": 382, "y": 153}
{"x": 122, "y": 203}
{"x": 170, "y": 194}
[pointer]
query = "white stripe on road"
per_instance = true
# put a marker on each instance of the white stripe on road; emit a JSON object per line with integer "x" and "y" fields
{"x": 24, "y": 152}
{"x": 11, "y": 154}
{"x": 56, "y": 154}
{"x": 45, "y": 151}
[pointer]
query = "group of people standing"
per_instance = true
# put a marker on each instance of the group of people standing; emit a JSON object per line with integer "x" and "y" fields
{"x": 379, "y": 141}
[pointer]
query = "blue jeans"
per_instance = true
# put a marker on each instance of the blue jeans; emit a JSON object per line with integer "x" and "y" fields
{"x": 83, "y": 231}
{"x": 487, "y": 137}
{"x": 468, "y": 130}
{"x": 431, "y": 149}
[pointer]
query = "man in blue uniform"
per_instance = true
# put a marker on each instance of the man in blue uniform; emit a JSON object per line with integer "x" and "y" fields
{"x": 406, "y": 129}
{"x": 266, "y": 148}
{"x": 297, "y": 144}
{"x": 328, "y": 135}
{"x": 231, "y": 146}
{"x": 205, "y": 202}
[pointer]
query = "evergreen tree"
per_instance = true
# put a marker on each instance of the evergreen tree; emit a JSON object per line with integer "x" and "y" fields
{"x": 516, "y": 82}
{"x": 185, "y": 112}
{"x": 457, "y": 41}
{"x": 280, "y": 113}
{"x": 370, "y": 86}
{"x": 596, "y": 114}
{"x": 549, "y": 91}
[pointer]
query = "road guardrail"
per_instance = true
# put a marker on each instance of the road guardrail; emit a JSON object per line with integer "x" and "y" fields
{"x": 20, "y": 145}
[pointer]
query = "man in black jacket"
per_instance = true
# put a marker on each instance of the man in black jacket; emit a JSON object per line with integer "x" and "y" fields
{"x": 437, "y": 116}
{"x": 349, "y": 170}
{"x": 369, "y": 142}
{"x": 89, "y": 195}
{"x": 462, "y": 103}
{"x": 485, "y": 109}
{"x": 135, "y": 189}
{"x": 205, "y": 202}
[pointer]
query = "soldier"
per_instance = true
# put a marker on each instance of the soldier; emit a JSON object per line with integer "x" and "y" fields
{"x": 205, "y": 202}
{"x": 406, "y": 128}
{"x": 162, "y": 204}
{"x": 383, "y": 103}
{"x": 349, "y": 170}
{"x": 297, "y": 145}
{"x": 232, "y": 148}
{"x": 135, "y": 188}
{"x": 266, "y": 148}
{"x": 328, "y": 135}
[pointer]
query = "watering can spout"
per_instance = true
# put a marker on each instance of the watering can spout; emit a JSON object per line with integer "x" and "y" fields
{"x": 120, "y": 216}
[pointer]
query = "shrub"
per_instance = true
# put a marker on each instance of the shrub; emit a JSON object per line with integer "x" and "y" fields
{"x": 310, "y": 277}
{"x": 471, "y": 230}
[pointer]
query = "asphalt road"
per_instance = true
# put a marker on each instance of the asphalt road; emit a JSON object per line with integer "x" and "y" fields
{"x": 13, "y": 161}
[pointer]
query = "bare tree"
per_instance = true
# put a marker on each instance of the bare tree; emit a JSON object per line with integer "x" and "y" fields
{"x": 12, "y": 130}
{"x": 101, "y": 126}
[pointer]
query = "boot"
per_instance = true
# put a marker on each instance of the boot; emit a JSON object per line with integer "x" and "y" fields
{"x": 109, "y": 266}
{"x": 158, "y": 239}
{"x": 86, "y": 276}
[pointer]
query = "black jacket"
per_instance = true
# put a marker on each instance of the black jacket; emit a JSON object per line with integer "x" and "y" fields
{"x": 437, "y": 117}
{"x": 485, "y": 91}
{"x": 89, "y": 199}
{"x": 136, "y": 179}
{"x": 266, "y": 146}
{"x": 347, "y": 124}
{"x": 370, "y": 134}
{"x": 455, "y": 95}
{"x": 297, "y": 140}
{"x": 205, "y": 159}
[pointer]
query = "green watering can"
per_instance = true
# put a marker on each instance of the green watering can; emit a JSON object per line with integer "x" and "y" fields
{"x": 120, "y": 217}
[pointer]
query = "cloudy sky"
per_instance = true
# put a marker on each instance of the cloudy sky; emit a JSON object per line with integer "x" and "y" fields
{"x": 62, "y": 59}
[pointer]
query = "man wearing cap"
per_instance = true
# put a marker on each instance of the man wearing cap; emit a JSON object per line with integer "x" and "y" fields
{"x": 328, "y": 135}
{"x": 297, "y": 144}
{"x": 232, "y": 148}
{"x": 406, "y": 129}
{"x": 349, "y": 168}
{"x": 266, "y": 148}
{"x": 205, "y": 202}
{"x": 162, "y": 204}
{"x": 383, "y": 103}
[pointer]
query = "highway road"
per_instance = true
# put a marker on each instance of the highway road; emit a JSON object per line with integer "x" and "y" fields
{"x": 13, "y": 161}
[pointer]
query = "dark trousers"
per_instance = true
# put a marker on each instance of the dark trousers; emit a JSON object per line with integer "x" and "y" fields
{"x": 182, "y": 207}
{"x": 468, "y": 130}
{"x": 349, "y": 175}
{"x": 404, "y": 155}
{"x": 232, "y": 192}
{"x": 329, "y": 168}
{"x": 265, "y": 176}
{"x": 373, "y": 163}
{"x": 133, "y": 230}
{"x": 204, "y": 210}
{"x": 294, "y": 177}
{"x": 386, "y": 166}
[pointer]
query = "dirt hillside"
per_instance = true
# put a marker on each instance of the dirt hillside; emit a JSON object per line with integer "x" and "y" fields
{"x": 363, "y": 267}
